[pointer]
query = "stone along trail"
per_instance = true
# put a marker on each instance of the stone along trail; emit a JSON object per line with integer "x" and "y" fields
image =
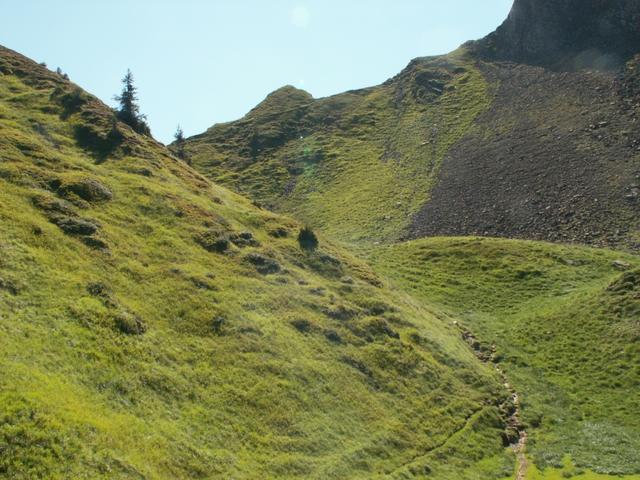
{"x": 515, "y": 434}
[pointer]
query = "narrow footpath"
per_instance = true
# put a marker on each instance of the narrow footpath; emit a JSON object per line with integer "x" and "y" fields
{"x": 515, "y": 434}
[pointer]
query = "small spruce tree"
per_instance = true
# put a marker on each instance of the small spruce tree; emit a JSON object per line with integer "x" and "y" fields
{"x": 62, "y": 74}
{"x": 129, "y": 111}
{"x": 179, "y": 135}
{"x": 179, "y": 143}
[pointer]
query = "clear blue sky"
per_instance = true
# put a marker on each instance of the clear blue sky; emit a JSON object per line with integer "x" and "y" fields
{"x": 200, "y": 62}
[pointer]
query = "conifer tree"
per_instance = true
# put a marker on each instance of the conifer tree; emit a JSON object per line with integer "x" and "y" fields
{"x": 129, "y": 111}
{"x": 179, "y": 135}
{"x": 179, "y": 144}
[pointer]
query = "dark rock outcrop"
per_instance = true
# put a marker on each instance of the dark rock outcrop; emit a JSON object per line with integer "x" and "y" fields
{"x": 88, "y": 189}
{"x": 567, "y": 34}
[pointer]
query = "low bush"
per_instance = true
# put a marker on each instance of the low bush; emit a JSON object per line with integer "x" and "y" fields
{"x": 307, "y": 239}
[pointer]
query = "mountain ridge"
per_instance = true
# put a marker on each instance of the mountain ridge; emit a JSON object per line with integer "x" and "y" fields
{"x": 298, "y": 156}
{"x": 421, "y": 132}
{"x": 157, "y": 324}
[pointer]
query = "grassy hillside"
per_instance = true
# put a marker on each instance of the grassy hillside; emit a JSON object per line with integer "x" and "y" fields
{"x": 565, "y": 324}
{"x": 357, "y": 165}
{"x": 451, "y": 146}
{"x": 154, "y": 325}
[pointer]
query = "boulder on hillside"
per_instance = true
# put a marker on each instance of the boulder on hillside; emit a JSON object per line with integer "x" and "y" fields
{"x": 88, "y": 189}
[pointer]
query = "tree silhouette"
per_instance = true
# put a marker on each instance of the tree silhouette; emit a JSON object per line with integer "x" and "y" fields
{"x": 129, "y": 111}
{"x": 179, "y": 143}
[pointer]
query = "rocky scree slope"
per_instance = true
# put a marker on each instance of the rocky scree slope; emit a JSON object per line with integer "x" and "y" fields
{"x": 556, "y": 157}
{"x": 478, "y": 142}
{"x": 155, "y": 325}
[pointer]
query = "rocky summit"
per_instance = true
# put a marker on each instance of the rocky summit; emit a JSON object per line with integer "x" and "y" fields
{"x": 567, "y": 34}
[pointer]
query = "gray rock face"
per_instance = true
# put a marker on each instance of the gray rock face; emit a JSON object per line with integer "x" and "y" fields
{"x": 567, "y": 34}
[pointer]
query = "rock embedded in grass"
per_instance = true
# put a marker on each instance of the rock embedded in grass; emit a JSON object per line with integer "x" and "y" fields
{"x": 9, "y": 286}
{"x": 302, "y": 325}
{"x": 75, "y": 225}
{"x": 51, "y": 205}
{"x": 332, "y": 336}
{"x": 244, "y": 239}
{"x": 213, "y": 241}
{"x": 620, "y": 265}
{"x": 95, "y": 242}
{"x": 279, "y": 232}
{"x": 129, "y": 324}
{"x": 217, "y": 324}
{"x": 88, "y": 189}
{"x": 340, "y": 312}
{"x": 264, "y": 265}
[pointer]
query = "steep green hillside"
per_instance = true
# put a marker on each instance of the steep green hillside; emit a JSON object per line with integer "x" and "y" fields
{"x": 357, "y": 165}
{"x": 565, "y": 322}
{"x": 154, "y": 325}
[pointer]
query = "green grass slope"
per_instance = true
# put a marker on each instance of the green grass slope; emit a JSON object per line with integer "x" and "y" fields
{"x": 358, "y": 165}
{"x": 566, "y": 325}
{"x": 154, "y": 325}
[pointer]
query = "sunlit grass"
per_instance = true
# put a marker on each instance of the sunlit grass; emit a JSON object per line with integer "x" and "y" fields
{"x": 565, "y": 323}
{"x": 362, "y": 175}
{"x": 151, "y": 357}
